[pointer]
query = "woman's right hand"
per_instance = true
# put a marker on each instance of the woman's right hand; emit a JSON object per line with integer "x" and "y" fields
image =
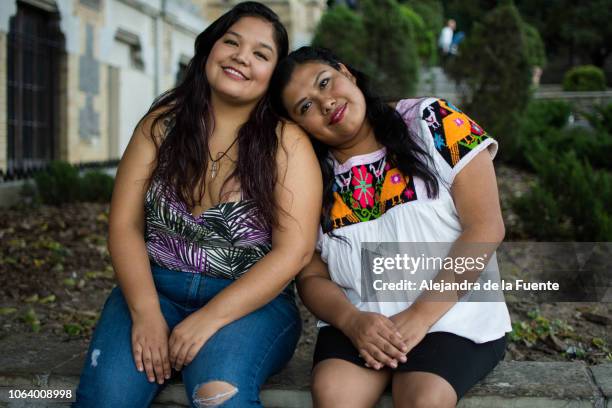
{"x": 377, "y": 339}
{"x": 150, "y": 334}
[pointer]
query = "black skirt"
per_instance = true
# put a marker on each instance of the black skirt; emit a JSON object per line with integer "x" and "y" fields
{"x": 458, "y": 360}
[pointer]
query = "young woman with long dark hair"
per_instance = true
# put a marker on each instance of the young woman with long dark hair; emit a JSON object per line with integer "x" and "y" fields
{"x": 208, "y": 227}
{"x": 418, "y": 171}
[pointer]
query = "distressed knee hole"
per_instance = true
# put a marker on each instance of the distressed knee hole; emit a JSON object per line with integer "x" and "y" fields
{"x": 213, "y": 393}
{"x": 94, "y": 357}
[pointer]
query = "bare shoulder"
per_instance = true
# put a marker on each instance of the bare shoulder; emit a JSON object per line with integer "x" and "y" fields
{"x": 292, "y": 139}
{"x": 294, "y": 148}
{"x": 153, "y": 125}
{"x": 290, "y": 132}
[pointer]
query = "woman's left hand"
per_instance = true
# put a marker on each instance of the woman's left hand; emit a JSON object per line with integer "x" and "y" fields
{"x": 188, "y": 337}
{"x": 412, "y": 326}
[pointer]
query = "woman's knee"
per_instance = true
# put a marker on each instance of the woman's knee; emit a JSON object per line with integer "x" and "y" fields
{"x": 333, "y": 386}
{"x": 213, "y": 393}
{"x": 425, "y": 400}
{"x": 423, "y": 397}
{"x": 226, "y": 393}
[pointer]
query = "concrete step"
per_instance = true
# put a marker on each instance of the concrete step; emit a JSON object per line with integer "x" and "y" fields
{"x": 36, "y": 362}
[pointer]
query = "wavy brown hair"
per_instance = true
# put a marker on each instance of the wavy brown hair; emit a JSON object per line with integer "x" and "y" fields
{"x": 186, "y": 114}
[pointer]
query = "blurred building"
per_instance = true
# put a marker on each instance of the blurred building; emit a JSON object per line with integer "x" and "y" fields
{"x": 77, "y": 75}
{"x": 300, "y": 17}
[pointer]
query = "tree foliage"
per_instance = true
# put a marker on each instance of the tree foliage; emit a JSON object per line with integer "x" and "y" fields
{"x": 581, "y": 28}
{"x": 341, "y": 30}
{"x": 378, "y": 39}
{"x": 425, "y": 39}
{"x": 494, "y": 72}
{"x": 536, "y": 53}
{"x": 431, "y": 14}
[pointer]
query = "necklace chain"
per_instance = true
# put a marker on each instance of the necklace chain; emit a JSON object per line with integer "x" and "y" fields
{"x": 215, "y": 162}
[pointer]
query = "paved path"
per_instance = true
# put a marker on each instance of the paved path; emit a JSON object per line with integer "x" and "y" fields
{"x": 37, "y": 362}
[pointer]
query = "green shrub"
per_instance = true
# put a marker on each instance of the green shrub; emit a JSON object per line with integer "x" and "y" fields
{"x": 584, "y": 78}
{"x": 571, "y": 200}
{"x": 432, "y": 14}
{"x": 391, "y": 46}
{"x": 541, "y": 115}
{"x": 539, "y": 118}
{"x": 378, "y": 40}
{"x": 59, "y": 184}
{"x": 588, "y": 145}
{"x": 341, "y": 30}
{"x": 96, "y": 186}
{"x": 425, "y": 39}
{"x": 546, "y": 121}
{"x": 601, "y": 118}
{"x": 541, "y": 217}
{"x": 494, "y": 72}
{"x": 536, "y": 53}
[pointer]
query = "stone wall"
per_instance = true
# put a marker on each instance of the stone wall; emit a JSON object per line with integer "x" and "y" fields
{"x": 119, "y": 55}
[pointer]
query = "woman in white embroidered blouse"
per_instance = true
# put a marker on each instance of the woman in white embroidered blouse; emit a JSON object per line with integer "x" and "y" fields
{"x": 420, "y": 171}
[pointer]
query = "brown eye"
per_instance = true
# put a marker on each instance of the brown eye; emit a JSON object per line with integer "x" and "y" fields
{"x": 261, "y": 55}
{"x": 305, "y": 107}
{"x": 323, "y": 83}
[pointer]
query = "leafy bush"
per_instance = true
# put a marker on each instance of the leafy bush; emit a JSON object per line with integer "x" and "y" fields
{"x": 546, "y": 122}
{"x": 570, "y": 200}
{"x": 379, "y": 40}
{"x": 391, "y": 46}
{"x": 494, "y": 73}
{"x": 425, "y": 38}
{"x": 61, "y": 184}
{"x": 542, "y": 115}
{"x": 536, "y": 53}
{"x": 341, "y": 30}
{"x": 601, "y": 118}
{"x": 588, "y": 145}
{"x": 432, "y": 13}
{"x": 96, "y": 186}
{"x": 584, "y": 78}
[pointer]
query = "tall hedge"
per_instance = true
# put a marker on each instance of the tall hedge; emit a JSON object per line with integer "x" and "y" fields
{"x": 378, "y": 39}
{"x": 431, "y": 13}
{"x": 341, "y": 30}
{"x": 494, "y": 72}
{"x": 425, "y": 39}
{"x": 391, "y": 47}
{"x": 536, "y": 52}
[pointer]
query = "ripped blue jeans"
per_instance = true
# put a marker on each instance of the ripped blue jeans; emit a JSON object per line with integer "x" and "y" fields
{"x": 242, "y": 354}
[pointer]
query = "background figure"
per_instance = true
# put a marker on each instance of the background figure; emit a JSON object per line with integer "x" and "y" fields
{"x": 446, "y": 38}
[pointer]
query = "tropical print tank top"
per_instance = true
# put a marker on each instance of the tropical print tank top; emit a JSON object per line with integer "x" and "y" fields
{"x": 224, "y": 241}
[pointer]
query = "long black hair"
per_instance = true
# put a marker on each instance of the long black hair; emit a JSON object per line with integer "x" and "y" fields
{"x": 390, "y": 130}
{"x": 186, "y": 115}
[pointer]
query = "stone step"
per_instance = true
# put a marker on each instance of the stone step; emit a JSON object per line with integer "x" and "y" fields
{"x": 36, "y": 362}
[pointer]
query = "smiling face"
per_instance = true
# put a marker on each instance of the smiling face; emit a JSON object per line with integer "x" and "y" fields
{"x": 325, "y": 102}
{"x": 241, "y": 62}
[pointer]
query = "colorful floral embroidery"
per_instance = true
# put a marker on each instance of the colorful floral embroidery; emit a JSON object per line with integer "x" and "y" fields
{"x": 365, "y": 192}
{"x": 454, "y": 133}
